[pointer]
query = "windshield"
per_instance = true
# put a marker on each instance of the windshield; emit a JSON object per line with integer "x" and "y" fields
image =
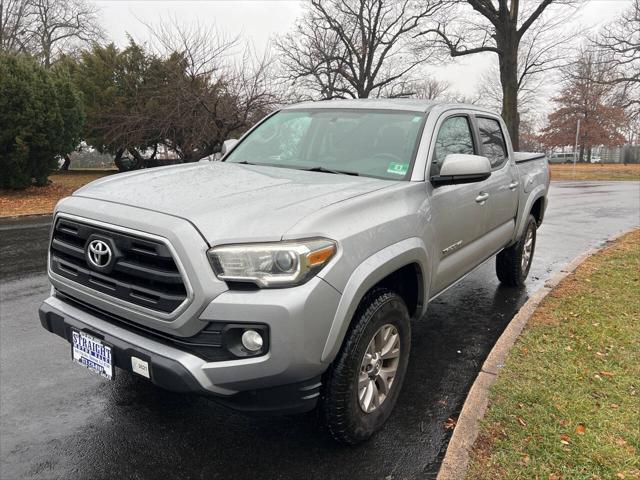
{"x": 371, "y": 143}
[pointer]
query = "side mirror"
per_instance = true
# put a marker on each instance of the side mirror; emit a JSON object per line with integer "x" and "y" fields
{"x": 461, "y": 168}
{"x": 227, "y": 145}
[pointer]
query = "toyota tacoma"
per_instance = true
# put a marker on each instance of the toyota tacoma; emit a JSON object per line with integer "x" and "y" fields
{"x": 286, "y": 276}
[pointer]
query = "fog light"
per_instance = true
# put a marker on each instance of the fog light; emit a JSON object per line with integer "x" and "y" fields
{"x": 252, "y": 340}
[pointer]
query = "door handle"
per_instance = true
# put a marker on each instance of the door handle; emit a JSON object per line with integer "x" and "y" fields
{"x": 514, "y": 185}
{"x": 482, "y": 197}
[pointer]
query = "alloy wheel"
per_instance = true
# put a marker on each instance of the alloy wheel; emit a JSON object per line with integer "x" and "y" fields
{"x": 378, "y": 368}
{"x": 527, "y": 250}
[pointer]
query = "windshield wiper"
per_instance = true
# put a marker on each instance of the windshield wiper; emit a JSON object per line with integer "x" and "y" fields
{"x": 329, "y": 170}
{"x": 312, "y": 169}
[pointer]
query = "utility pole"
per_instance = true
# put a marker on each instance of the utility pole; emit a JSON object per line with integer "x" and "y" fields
{"x": 575, "y": 148}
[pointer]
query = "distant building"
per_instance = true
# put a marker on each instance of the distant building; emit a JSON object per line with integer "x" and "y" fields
{"x": 625, "y": 154}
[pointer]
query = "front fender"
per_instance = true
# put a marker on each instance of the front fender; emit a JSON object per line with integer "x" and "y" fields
{"x": 369, "y": 273}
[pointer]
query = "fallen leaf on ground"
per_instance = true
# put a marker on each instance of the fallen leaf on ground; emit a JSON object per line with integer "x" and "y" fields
{"x": 521, "y": 421}
{"x": 450, "y": 424}
{"x": 565, "y": 440}
{"x": 40, "y": 200}
{"x": 581, "y": 429}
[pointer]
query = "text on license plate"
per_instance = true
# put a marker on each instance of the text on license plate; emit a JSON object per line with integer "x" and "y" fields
{"x": 92, "y": 353}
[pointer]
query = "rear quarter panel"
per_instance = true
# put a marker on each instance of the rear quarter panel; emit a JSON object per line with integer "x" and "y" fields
{"x": 533, "y": 171}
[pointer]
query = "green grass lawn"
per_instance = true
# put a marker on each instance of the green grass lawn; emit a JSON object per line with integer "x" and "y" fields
{"x": 593, "y": 171}
{"x": 567, "y": 403}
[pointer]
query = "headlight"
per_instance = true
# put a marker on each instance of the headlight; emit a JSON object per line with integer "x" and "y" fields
{"x": 270, "y": 265}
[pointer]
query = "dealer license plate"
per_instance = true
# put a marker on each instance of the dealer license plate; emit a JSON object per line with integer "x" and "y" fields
{"x": 92, "y": 353}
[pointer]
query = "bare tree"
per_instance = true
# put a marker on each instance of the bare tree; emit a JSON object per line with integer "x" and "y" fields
{"x": 498, "y": 26}
{"x": 543, "y": 51}
{"x": 530, "y": 139}
{"x": 356, "y": 48}
{"x": 211, "y": 97}
{"x": 619, "y": 46}
{"x": 61, "y": 25}
{"x": 205, "y": 48}
{"x": 13, "y": 19}
{"x": 312, "y": 58}
{"x": 430, "y": 88}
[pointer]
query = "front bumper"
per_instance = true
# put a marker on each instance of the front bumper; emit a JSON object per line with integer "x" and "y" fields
{"x": 284, "y": 380}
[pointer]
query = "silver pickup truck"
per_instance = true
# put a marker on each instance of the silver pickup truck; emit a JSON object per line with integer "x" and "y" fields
{"x": 286, "y": 276}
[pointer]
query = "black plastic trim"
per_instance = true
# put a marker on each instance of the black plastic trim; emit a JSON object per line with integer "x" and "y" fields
{"x": 288, "y": 399}
{"x": 209, "y": 344}
{"x": 439, "y": 180}
{"x": 538, "y": 157}
{"x": 164, "y": 372}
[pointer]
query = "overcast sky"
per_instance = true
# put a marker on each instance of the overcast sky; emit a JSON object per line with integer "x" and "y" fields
{"x": 260, "y": 20}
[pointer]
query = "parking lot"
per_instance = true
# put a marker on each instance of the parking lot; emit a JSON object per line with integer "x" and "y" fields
{"x": 57, "y": 421}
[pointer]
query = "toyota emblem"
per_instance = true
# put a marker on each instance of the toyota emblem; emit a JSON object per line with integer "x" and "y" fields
{"x": 99, "y": 254}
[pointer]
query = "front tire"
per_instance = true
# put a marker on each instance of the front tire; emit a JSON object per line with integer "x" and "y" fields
{"x": 513, "y": 263}
{"x": 363, "y": 383}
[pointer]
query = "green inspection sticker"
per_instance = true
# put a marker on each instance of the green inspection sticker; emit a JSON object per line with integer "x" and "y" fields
{"x": 398, "y": 168}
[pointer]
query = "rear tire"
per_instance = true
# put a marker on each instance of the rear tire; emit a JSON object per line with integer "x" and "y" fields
{"x": 513, "y": 263}
{"x": 362, "y": 385}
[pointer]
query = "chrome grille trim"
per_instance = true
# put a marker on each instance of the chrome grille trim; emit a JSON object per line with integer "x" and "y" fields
{"x": 104, "y": 297}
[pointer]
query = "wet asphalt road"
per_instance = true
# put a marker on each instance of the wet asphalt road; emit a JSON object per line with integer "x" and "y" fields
{"x": 57, "y": 421}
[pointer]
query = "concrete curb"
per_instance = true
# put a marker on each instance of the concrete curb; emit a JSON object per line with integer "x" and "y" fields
{"x": 24, "y": 221}
{"x": 26, "y": 216}
{"x": 456, "y": 460}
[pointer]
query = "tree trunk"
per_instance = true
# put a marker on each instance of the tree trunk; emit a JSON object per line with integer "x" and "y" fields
{"x": 118, "y": 161}
{"x": 66, "y": 164}
{"x": 509, "y": 81}
{"x": 140, "y": 163}
{"x": 191, "y": 156}
{"x": 46, "y": 52}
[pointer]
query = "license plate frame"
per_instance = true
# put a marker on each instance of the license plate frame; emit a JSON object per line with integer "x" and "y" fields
{"x": 92, "y": 353}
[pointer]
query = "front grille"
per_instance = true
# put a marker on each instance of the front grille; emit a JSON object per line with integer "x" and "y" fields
{"x": 142, "y": 272}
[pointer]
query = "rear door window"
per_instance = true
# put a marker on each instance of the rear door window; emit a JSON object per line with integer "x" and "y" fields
{"x": 492, "y": 139}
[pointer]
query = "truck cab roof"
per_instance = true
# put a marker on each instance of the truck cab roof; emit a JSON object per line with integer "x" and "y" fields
{"x": 400, "y": 104}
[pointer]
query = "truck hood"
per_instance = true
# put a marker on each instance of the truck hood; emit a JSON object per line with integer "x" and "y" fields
{"x": 229, "y": 202}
